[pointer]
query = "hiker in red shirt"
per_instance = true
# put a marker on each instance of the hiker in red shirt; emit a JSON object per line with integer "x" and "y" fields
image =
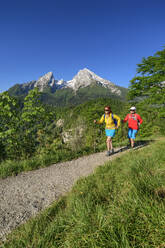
{"x": 134, "y": 121}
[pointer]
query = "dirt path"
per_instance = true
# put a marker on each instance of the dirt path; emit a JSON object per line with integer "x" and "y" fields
{"x": 23, "y": 196}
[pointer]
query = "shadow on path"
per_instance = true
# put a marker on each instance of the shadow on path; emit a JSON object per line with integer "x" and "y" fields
{"x": 138, "y": 144}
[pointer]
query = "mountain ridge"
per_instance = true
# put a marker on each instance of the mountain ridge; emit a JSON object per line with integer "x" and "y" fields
{"x": 85, "y": 84}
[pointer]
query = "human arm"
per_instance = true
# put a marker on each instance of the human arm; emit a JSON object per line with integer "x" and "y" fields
{"x": 118, "y": 120}
{"x": 100, "y": 121}
{"x": 125, "y": 119}
{"x": 140, "y": 120}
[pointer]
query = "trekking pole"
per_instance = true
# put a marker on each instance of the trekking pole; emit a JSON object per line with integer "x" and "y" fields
{"x": 94, "y": 139}
{"x": 93, "y": 134}
{"x": 122, "y": 134}
{"x": 94, "y": 143}
{"x": 121, "y": 137}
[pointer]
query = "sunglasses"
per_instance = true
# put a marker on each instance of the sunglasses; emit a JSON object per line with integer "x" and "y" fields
{"x": 106, "y": 110}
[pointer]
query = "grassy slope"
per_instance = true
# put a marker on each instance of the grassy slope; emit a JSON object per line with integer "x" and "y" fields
{"x": 122, "y": 205}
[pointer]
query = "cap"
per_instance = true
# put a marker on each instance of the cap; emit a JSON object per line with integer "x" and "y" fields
{"x": 133, "y": 108}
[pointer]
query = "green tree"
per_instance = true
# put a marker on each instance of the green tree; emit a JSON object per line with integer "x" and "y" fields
{"x": 149, "y": 83}
{"x": 150, "y": 78}
{"x": 23, "y": 128}
{"x": 9, "y": 119}
{"x": 35, "y": 118}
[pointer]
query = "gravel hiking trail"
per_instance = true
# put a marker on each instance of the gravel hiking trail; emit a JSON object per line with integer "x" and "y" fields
{"x": 24, "y": 195}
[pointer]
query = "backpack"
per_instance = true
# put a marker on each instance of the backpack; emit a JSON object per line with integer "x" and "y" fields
{"x": 115, "y": 121}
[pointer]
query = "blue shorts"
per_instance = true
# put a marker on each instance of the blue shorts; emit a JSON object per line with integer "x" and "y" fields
{"x": 110, "y": 132}
{"x": 132, "y": 133}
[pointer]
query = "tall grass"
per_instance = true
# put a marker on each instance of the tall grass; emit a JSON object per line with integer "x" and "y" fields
{"x": 14, "y": 167}
{"x": 122, "y": 205}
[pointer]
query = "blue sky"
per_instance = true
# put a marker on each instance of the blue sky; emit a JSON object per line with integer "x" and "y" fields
{"x": 109, "y": 37}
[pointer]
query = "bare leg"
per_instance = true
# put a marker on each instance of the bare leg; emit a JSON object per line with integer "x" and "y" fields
{"x": 109, "y": 143}
{"x": 132, "y": 142}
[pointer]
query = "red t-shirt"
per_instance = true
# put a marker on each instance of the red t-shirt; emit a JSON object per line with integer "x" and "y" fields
{"x": 133, "y": 120}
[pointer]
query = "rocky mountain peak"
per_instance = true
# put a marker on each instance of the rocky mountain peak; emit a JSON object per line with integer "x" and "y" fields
{"x": 45, "y": 81}
{"x": 86, "y": 77}
{"x": 84, "y": 74}
{"x": 82, "y": 79}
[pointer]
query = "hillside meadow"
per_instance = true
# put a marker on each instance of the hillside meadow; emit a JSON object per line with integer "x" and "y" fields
{"x": 121, "y": 205}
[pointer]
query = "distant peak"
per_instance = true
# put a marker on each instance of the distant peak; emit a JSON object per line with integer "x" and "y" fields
{"x": 48, "y": 75}
{"x": 86, "y": 70}
{"x": 46, "y": 80}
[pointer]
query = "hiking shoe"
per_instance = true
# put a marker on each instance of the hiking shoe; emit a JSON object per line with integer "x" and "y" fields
{"x": 108, "y": 153}
{"x": 112, "y": 151}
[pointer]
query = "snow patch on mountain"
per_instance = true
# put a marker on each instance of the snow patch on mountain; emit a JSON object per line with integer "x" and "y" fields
{"x": 61, "y": 84}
